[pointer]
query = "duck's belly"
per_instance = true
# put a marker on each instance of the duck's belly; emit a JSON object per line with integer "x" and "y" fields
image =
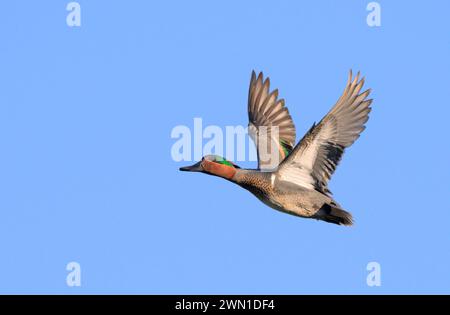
{"x": 296, "y": 204}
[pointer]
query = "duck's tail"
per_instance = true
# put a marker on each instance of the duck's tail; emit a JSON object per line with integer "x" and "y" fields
{"x": 333, "y": 214}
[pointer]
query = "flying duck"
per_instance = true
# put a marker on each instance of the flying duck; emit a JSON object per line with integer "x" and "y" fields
{"x": 294, "y": 179}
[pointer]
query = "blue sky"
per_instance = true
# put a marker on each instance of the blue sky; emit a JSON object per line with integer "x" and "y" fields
{"x": 86, "y": 172}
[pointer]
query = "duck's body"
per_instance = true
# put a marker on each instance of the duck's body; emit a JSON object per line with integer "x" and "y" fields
{"x": 292, "y": 179}
{"x": 283, "y": 196}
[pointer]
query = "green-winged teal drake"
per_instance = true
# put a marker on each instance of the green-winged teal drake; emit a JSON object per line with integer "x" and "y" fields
{"x": 295, "y": 179}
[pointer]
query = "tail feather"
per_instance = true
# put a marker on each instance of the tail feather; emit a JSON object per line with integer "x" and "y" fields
{"x": 332, "y": 214}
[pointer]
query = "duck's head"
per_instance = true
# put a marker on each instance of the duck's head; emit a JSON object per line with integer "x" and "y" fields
{"x": 213, "y": 165}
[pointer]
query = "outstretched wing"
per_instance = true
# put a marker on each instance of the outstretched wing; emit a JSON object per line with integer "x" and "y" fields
{"x": 316, "y": 156}
{"x": 270, "y": 124}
